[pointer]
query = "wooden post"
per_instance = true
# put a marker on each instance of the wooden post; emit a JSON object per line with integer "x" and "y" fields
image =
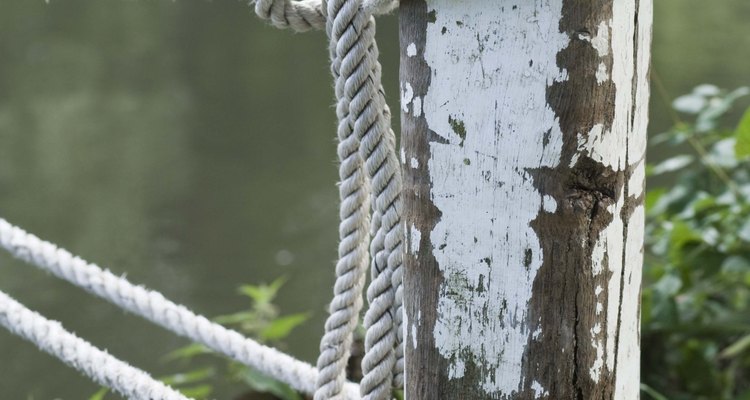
{"x": 524, "y": 132}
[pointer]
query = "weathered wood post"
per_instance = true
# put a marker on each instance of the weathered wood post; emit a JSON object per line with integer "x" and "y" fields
{"x": 524, "y": 132}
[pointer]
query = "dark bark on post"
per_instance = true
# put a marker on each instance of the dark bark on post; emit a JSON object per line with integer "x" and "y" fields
{"x": 523, "y": 129}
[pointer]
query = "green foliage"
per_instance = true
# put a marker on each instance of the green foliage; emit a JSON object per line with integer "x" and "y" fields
{"x": 696, "y": 295}
{"x": 262, "y": 322}
{"x": 742, "y": 148}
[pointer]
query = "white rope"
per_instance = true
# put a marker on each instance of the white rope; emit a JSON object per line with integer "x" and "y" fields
{"x": 103, "y": 368}
{"x": 335, "y": 346}
{"x": 305, "y": 15}
{"x": 356, "y": 67}
{"x": 351, "y": 268}
{"x": 154, "y": 307}
{"x": 379, "y": 148}
{"x": 364, "y": 119}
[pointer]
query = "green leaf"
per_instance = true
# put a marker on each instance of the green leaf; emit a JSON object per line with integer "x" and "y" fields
{"x": 264, "y": 384}
{"x": 189, "y": 377}
{"x": 257, "y": 293}
{"x": 742, "y": 135}
{"x": 236, "y": 318}
{"x": 651, "y": 392}
{"x": 668, "y": 285}
{"x": 737, "y": 347}
{"x": 100, "y": 394}
{"x": 744, "y": 232}
{"x": 672, "y": 164}
{"x": 653, "y": 196}
{"x": 281, "y": 327}
{"x": 717, "y": 107}
{"x": 186, "y": 353}
{"x": 263, "y": 294}
{"x": 197, "y": 392}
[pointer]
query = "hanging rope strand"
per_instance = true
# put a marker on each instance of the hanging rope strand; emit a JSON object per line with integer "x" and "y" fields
{"x": 157, "y": 309}
{"x": 391, "y": 204}
{"x": 335, "y": 346}
{"x": 379, "y": 358}
{"x": 103, "y": 368}
{"x": 357, "y": 82}
{"x": 354, "y": 39}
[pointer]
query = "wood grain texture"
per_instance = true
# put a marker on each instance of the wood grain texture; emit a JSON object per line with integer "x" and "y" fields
{"x": 523, "y": 134}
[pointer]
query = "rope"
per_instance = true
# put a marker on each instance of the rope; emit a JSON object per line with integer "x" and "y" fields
{"x": 335, "y": 345}
{"x": 103, "y": 368}
{"x": 154, "y": 307}
{"x": 384, "y": 169}
{"x": 305, "y": 15}
{"x": 364, "y": 120}
{"x": 356, "y": 68}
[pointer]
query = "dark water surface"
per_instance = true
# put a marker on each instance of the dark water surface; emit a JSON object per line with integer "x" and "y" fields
{"x": 190, "y": 146}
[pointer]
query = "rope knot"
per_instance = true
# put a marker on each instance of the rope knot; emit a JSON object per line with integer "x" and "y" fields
{"x": 305, "y": 15}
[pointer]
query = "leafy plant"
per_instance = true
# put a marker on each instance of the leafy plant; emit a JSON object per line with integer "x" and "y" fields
{"x": 696, "y": 295}
{"x": 263, "y": 322}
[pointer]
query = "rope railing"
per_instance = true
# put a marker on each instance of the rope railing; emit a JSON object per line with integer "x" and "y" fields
{"x": 79, "y": 354}
{"x": 154, "y": 307}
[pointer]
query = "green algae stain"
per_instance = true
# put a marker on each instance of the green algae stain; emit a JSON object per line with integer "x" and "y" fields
{"x": 459, "y": 128}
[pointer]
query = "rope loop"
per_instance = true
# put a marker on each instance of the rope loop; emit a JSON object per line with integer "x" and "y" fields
{"x": 306, "y": 15}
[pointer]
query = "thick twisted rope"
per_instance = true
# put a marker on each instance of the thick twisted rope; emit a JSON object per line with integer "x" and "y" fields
{"x": 154, "y": 307}
{"x": 335, "y": 345}
{"x": 355, "y": 63}
{"x": 103, "y": 368}
{"x": 364, "y": 118}
{"x": 385, "y": 171}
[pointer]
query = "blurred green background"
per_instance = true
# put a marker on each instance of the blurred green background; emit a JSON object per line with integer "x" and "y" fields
{"x": 191, "y": 146}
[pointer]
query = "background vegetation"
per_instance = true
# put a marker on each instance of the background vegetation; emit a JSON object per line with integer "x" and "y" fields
{"x": 696, "y": 295}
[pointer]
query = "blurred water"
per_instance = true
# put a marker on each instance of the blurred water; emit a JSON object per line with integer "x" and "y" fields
{"x": 191, "y": 147}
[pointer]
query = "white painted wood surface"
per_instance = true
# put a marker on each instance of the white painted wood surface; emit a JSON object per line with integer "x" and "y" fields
{"x": 492, "y": 64}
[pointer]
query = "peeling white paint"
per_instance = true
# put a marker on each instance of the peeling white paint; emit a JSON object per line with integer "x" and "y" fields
{"x": 417, "y": 107}
{"x": 601, "y": 74}
{"x": 550, "y": 204}
{"x": 492, "y": 140}
{"x": 415, "y": 237}
{"x": 414, "y": 162}
{"x": 607, "y": 256}
{"x": 538, "y": 389}
{"x": 407, "y": 94}
{"x": 596, "y": 369}
{"x": 456, "y": 369}
{"x": 605, "y": 146}
{"x": 628, "y": 358}
{"x": 411, "y": 49}
{"x": 537, "y": 332}
{"x": 600, "y": 42}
